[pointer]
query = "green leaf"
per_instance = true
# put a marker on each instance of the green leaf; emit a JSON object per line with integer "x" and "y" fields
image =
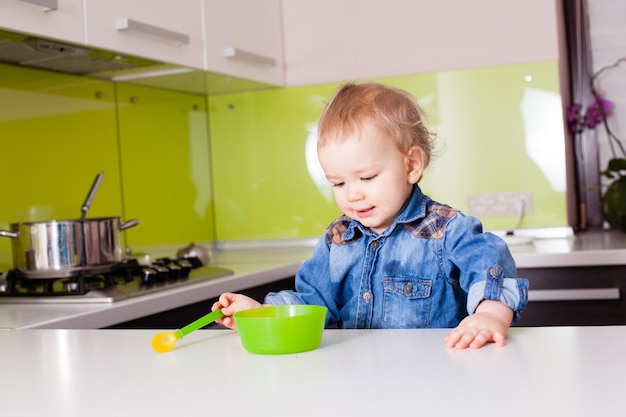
{"x": 614, "y": 204}
{"x": 607, "y": 174}
{"x": 616, "y": 165}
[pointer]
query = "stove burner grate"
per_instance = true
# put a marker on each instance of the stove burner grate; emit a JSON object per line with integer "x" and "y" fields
{"x": 15, "y": 284}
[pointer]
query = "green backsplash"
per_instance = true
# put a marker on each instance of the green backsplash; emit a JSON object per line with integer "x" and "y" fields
{"x": 165, "y": 163}
{"x": 59, "y": 131}
{"x": 262, "y": 186}
{"x": 242, "y": 166}
{"x": 489, "y": 122}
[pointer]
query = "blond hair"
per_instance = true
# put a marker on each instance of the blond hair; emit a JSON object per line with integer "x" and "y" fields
{"x": 394, "y": 112}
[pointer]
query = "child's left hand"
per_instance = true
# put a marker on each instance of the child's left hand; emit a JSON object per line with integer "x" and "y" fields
{"x": 490, "y": 323}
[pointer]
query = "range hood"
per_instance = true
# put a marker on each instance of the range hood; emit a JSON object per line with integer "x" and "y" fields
{"x": 51, "y": 55}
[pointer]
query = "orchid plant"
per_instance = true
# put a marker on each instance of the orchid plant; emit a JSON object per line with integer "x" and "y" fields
{"x": 598, "y": 112}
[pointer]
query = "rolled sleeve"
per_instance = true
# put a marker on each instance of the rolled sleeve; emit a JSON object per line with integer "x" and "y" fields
{"x": 512, "y": 292}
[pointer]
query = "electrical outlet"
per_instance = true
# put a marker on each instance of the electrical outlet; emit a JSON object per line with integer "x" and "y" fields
{"x": 500, "y": 204}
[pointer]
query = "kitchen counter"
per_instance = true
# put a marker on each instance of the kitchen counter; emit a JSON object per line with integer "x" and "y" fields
{"x": 251, "y": 267}
{"x": 558, "y": 371}
{"x": 590, "y": 248}
{"x": 259, "y": 263}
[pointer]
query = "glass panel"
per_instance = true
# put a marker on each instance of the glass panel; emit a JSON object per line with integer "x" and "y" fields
{"x": 500, "y": 129}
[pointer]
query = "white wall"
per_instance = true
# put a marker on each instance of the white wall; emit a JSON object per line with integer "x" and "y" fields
{"x": 608, "y": 42}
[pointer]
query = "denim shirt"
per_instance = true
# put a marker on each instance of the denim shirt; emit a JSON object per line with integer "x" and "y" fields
{"x": 430, "y": 268}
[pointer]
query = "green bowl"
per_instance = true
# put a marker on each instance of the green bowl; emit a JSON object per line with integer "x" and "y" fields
{"x": 281, "y": 329}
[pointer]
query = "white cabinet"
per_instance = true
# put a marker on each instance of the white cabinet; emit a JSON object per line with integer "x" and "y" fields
{"x": 244, "y": 39}
{"x": 336, "y": 40}
{"x": 56, "y": 19}
{"x": 163, "y": 30}
{"x": 294, "y": 42}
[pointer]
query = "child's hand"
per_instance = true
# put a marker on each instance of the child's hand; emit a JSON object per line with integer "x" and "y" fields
{"x": 230, "y": 304}
{"x": 490, "y": 323}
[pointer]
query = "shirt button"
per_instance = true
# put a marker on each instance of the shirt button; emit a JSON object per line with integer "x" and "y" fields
{"x": 494, "y": 271}
{"x": 408, "y": 288}
{"x": 375, "y": 244}
{"x": 366, "y": 297}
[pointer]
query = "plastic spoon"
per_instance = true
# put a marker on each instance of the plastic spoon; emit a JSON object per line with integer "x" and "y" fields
{"x": 165, "y": 341}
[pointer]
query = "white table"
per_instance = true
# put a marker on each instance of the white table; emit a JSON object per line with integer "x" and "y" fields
{"x": 567, "y": 371}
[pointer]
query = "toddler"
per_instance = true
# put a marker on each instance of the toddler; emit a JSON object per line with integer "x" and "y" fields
{"x": 396, "y": 258}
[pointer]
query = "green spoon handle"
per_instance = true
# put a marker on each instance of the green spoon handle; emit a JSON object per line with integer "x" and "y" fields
{"x": 201, "y": 322}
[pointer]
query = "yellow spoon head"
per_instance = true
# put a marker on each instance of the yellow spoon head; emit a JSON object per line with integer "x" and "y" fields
{"x": 164, "y": 341}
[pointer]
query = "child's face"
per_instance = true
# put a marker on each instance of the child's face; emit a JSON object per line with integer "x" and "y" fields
{"x": 371, "y": 178}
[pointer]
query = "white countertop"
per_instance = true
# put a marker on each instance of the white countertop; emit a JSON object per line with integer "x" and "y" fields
{"x": 259, "y": 263}
{"x": 551, "y": 371}
{"x": 591, "y": 248}
{"x": 251, "y": 268}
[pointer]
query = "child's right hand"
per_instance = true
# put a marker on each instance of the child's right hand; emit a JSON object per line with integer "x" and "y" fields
{"x": 231, "y": 303}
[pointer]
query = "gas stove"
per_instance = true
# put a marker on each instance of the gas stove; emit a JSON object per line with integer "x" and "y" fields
{"x": 126, "y": 280}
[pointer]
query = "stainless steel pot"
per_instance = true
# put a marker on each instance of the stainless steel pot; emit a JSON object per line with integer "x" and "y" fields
{"x": 63, "y": 248}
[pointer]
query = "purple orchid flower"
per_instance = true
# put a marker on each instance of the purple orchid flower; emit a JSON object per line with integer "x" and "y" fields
{"x": 577, "y": 122}
{"x": 596, "y": 110}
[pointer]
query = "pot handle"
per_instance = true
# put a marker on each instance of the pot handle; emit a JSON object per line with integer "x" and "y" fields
{"x": 129, "y": 224}
{"x": 91, "y": 195}
{"x": 6, "y": 233}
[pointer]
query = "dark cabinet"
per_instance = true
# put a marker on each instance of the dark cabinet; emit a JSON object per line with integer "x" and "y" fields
{"x": 181, "y": 316}
{"x": 567, "y": 296}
